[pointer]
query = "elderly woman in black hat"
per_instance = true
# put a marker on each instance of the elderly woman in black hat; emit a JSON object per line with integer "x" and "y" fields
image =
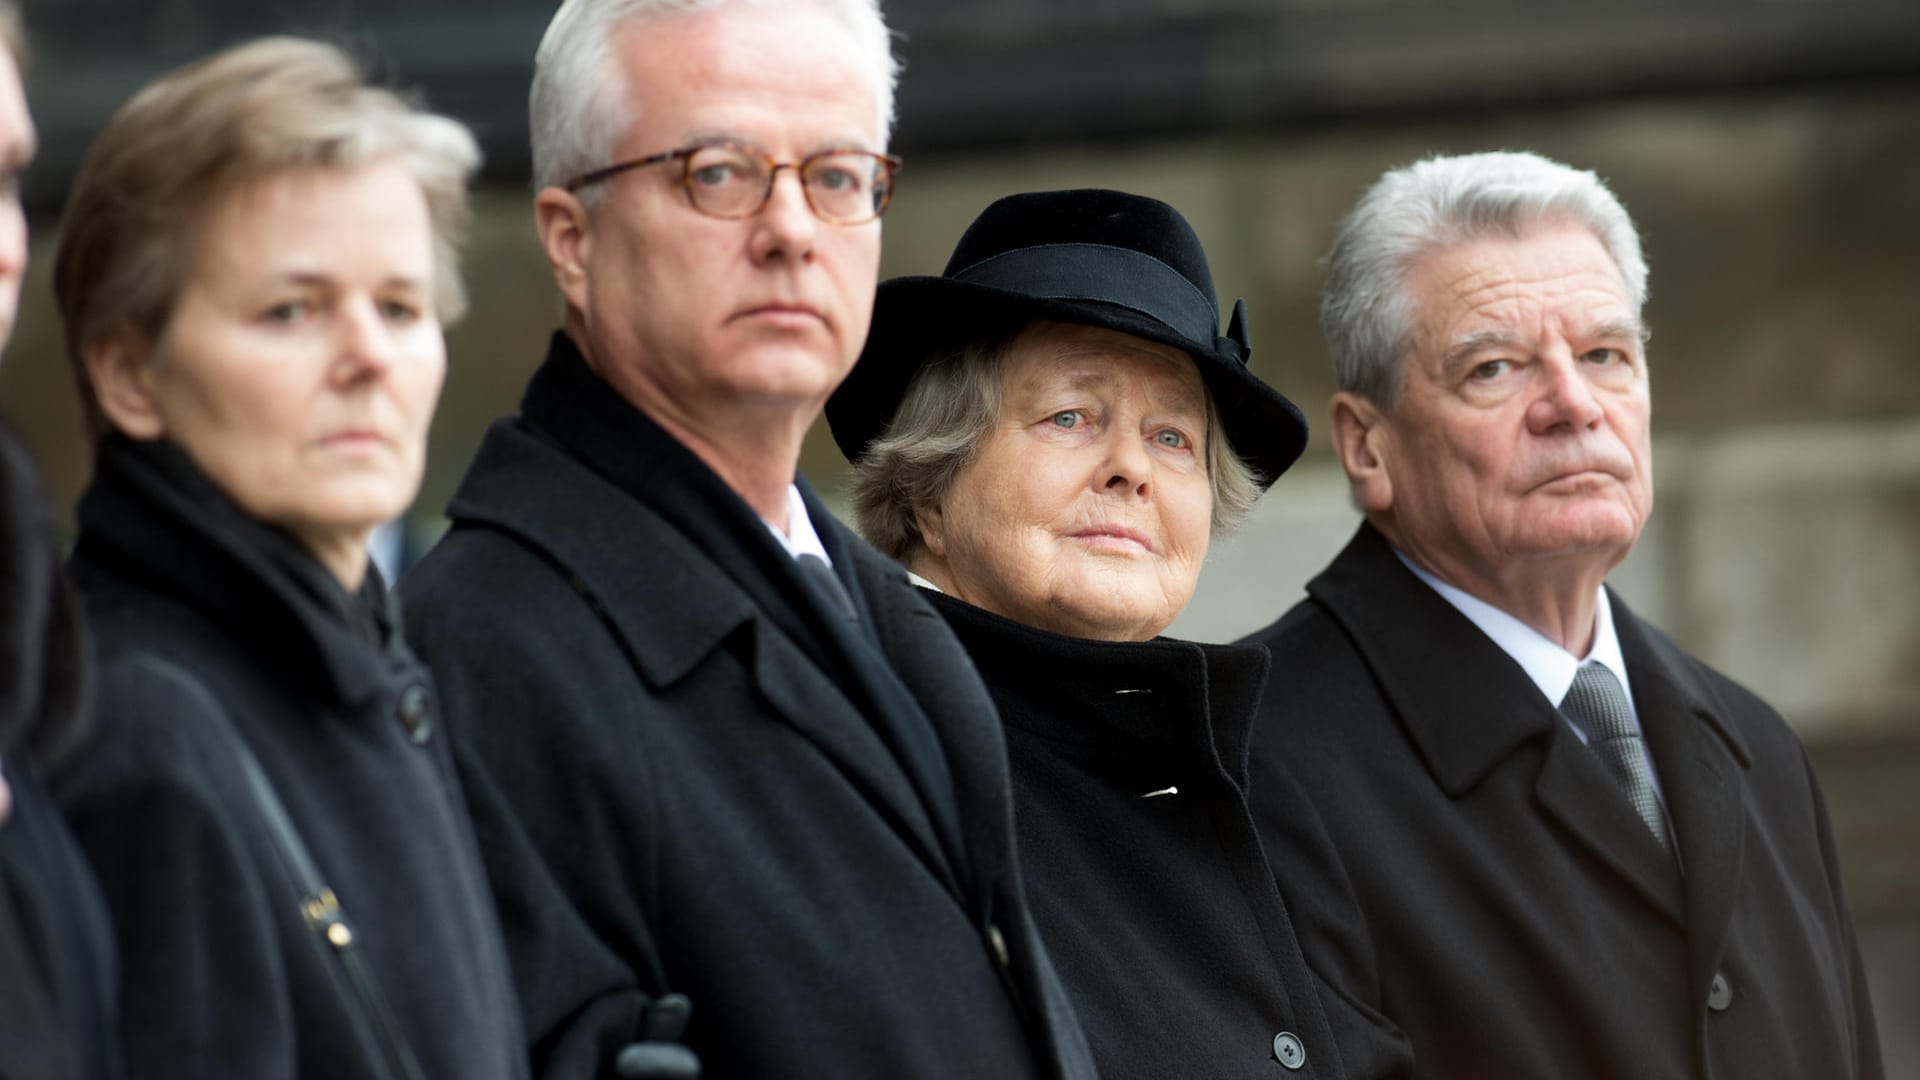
{"x": 1047, "y": 436}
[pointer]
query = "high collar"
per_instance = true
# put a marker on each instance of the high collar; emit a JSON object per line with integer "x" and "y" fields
{"x": 573, "y": 411}
{"x": 1144, "y": 698}
{"x": 574, "y": 408}
{"x": 153, "y": 520}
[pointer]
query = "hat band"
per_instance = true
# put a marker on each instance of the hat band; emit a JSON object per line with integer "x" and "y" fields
{"x": 1105, "y": 274}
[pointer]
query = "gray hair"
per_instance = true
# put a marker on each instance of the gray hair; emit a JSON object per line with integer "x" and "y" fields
{"x": 953, "y": 401}
{"x": 579, "y": 106}
{"x": 1365, "y": 312}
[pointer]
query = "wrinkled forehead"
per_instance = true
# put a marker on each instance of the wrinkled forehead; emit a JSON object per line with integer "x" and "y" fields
{"x": 1050, "y": 356}
{"x": 1562, "y": 277}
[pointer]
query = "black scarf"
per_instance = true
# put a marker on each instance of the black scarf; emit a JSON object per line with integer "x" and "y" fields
{"x": 154, "y": 520}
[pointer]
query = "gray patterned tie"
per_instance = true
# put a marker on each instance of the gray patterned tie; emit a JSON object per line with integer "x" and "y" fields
{"x": 1598, "y": 704}
{"x": 829, "y": 593}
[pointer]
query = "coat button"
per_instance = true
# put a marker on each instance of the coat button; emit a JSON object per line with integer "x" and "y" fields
{"x": 1287, "y": 1048}
{"x": 997, "y": 942}
{"x": 1719, "y": 993}
{"x": 415, "y": 713}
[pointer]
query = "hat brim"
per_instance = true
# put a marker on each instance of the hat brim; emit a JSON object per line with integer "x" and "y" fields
{"x": 918, "y": 318}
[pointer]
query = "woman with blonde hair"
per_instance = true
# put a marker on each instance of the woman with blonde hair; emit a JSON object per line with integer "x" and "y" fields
{"x": 255, "y": 266}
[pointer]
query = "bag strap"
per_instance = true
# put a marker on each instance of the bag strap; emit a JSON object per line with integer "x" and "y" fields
{"x": 318, "y": 905}
{"x": 324, "y": 915}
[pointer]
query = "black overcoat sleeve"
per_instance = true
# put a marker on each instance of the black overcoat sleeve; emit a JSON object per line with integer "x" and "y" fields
{"x": 513, "y": 702}
{"x": 154, "y": 804}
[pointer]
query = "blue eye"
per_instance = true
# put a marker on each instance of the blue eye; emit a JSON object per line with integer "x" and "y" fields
{"x": 834, "y": 179}
{"x": 714, "y": 175}
{"x": 288, "y": 311}
{"x": 1171, "y": 439}
{"x": 397, "y": 311}
{"x": 1068, "y": 420}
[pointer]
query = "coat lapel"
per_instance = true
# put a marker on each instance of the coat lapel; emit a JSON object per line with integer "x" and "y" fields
{"x": 1702, "y": 763}
{"x": 1467, "y": 707}
{"x": 935, "y": 670}
{"x": 1575, "y": 790}
{"x": 631, "y": 566}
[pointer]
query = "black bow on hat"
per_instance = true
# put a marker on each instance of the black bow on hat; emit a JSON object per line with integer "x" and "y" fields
{"x": 1091, "y": 257}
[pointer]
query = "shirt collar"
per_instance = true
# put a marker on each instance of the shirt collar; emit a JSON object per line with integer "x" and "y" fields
{"x": 800, "y": 537}
{"x": 1549, "y": 666}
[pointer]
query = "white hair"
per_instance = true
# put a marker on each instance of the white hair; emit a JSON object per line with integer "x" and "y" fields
{"x": 579, "y": 106}
{"x": 1365, "y": 311}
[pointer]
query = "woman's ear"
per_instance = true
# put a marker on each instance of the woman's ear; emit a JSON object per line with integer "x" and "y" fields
{"x": 1362, "y": 441}
{"x": 122, "y": 378}
{"x": 932, "y": 526}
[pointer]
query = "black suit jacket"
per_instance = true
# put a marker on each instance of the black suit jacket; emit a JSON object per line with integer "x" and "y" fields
{"x": 1525, "y": 922}
{"x": 685, "y": 778}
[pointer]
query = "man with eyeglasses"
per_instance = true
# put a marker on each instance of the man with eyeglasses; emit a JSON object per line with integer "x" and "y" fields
{"x": 717, "y": 750}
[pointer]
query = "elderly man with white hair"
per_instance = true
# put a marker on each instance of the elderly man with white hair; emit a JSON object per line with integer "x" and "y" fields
{"x": 1578, "y": 850}
{"x": 717, "y": 749}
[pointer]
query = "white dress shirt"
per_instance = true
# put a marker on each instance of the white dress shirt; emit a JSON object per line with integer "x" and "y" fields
{"x": 800, "y": 537}
{"x": 1549, "y": 666}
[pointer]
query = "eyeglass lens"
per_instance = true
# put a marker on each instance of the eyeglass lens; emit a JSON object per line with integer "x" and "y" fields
{"x": 729, "y": 182}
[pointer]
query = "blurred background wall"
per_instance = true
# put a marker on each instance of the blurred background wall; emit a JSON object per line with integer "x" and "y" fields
{"x": 1769, "y": 149}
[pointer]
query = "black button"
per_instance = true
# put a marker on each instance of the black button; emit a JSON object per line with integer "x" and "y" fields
{"x": 1719, "y": 993}
{"x": 415, "y": 713}
{"x": 1288, "y": 1050}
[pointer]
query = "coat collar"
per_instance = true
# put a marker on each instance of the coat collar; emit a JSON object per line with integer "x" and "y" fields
{"x": 1144, "y": 699}
{"x": 1703, "y": 759}
{"x": 640, "y": 527}
{"x": 578, "y": 443}
{"x": 1461, "y": 727}
{"x": 1418, "y": 645}
{"x": 152, "y": 519}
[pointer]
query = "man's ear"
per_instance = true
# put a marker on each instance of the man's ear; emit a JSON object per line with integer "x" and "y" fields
{"x": 1363, "y": 440}
{"x": 564, "y": 225}
{"x": 122, "y": 377}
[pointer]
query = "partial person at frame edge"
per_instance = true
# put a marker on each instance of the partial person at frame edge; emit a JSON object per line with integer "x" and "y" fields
{"x": 58, "y": 975}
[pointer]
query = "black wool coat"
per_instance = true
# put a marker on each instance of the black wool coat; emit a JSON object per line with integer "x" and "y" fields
{"x": 58, "y": 979}
{"x": 688, "y": 777}
{"x": 1525, "y": 922}
{"x": 201, "y": 614}
{"x": 1154, "y": 891}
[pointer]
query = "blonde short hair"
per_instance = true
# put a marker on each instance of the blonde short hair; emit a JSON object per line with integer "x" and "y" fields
{"x": 193, "y": 137}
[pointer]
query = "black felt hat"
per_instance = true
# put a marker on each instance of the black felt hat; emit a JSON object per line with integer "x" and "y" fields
{"x": 1092, "y": 257}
